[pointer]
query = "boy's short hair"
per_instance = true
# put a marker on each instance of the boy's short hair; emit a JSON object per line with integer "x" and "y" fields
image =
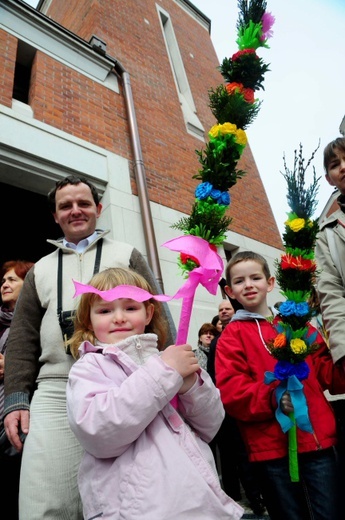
{"x": 329, "y": 151}
{"x": 243, "y": 257}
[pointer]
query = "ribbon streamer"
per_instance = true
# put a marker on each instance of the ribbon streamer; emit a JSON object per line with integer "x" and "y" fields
{"x": 299, "y": 417}
{"x": 120, "y": 291}
{"x": 299, "y": 402}
{"x": 207, "y": 274}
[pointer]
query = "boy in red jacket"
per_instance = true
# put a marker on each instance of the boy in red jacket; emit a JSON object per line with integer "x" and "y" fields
{"x": 242, "y": 358}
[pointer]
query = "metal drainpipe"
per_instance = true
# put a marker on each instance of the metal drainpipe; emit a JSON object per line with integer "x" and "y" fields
{"x": 140, "y": 176}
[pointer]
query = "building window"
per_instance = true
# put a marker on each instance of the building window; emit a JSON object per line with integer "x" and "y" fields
{"x": 192, "y": 121}
{"x": 22, "y": 72}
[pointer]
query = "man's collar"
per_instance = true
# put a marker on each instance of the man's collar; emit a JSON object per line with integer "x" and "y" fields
{"x": 82, "y": 244}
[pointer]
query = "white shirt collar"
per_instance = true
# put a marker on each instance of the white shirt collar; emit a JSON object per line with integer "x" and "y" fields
{"x": 83, "y": 244}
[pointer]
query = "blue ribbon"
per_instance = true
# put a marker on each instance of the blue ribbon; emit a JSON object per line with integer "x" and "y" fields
{"x": 294, "y": 386}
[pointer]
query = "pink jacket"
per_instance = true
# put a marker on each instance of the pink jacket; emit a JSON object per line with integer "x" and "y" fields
{"x": 143, "y": 459}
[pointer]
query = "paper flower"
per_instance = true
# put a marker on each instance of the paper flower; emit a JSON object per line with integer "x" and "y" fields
{"x": 267, "y": 23}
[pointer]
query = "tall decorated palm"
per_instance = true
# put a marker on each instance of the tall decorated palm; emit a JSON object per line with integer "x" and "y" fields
{"x": 295, "y": 275}
{"x": 234, "y": 106}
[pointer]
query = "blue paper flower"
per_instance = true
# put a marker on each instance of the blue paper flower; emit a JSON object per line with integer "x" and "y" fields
{"x": 301, "y": 370}
{"x": 224, "y": 198}
{"x": 203, "y": 190}
{"x": 287, "y": 308}
{"x": 302, "y": 309}
{"x": 215, "y": 194}
{"x": 285, "y": 369}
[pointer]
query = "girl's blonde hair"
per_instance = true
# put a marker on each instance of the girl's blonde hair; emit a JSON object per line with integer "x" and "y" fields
{"x": 108, "y": 279}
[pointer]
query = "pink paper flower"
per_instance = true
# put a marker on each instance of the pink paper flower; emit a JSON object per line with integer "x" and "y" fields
{"x": 267, "y": 21}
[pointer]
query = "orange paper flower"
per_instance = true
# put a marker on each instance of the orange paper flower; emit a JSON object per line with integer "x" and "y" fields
{"x": 279, "y": 341}
{"x": 238, "y": 88}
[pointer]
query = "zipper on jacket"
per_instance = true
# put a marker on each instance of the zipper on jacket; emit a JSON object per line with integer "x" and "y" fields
{"x": 139, "y": 350}
{"x": 318, "y": 445}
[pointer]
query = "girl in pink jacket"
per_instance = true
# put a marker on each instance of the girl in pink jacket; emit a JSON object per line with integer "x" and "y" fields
{"x": 143, "y": 458}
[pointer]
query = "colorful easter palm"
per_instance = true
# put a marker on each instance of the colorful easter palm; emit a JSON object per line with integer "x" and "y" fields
{"x": 295, "y": 275}
{"x": 234, "y": 106}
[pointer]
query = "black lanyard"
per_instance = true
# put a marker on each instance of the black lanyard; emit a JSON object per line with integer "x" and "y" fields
{"x": 59, "y": 277}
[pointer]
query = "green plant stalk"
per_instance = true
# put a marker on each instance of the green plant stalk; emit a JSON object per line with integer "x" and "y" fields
{"x": 293, "y": 454}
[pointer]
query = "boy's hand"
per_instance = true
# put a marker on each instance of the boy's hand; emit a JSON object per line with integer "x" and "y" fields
{"x": 182, "y": 359}
{"x": 286, "y": 404}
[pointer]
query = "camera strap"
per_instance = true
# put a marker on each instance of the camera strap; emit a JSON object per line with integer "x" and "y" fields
{"x": 59, "y": 277}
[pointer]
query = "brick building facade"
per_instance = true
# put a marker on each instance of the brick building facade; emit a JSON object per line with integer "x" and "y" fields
{"x": 117, "y": 91}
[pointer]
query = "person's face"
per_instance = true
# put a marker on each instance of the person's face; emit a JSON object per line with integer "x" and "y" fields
{"x": 225, "y": 312}
{"x": 114, "y": 321}
{"x": 11, "y": 285}
{"x": 76, "y": 211}
{"x": 219, "y": 326}
{"x": 249, "y": 284}
{"x": 206, "y": 338}
{"x": 336, "y": 171}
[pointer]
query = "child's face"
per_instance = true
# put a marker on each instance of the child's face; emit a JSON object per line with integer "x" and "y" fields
{"x": 336, "y": 171}
{"x": 114, "y": 321}
{"x": 249, "y": 284}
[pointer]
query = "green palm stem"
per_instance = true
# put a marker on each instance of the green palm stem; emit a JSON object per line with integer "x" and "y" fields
{"x": 293, "y": 454}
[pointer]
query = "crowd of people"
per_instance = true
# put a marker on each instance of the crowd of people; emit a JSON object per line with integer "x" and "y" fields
{"x": 88, "y": 424}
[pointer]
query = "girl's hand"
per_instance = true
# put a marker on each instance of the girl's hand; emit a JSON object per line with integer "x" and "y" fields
{"x": 188, "y": 382}
{"x": 182, "y": 359}
{"x": 286, "y": 404}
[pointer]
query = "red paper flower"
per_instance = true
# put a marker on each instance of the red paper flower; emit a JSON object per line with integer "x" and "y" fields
{"x": 185, "y": 258}
{"x": 239, "y": 54}
{"x": 248, "y": 95}
{"x": 297, "y": 262}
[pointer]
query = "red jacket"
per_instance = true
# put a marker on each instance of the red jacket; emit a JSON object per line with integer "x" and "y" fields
{"x": 241, "y": 362}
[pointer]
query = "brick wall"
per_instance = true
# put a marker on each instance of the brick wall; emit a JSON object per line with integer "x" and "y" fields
{"x": 8, "y": 50}
{"x": 132, "y": 32}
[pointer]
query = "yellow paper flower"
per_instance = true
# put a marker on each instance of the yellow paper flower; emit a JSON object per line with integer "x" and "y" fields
{"x": 226, "y": 128}
{"x": 296, "y": 224}
{"x": 298, "y": 346}
{"x": 214, "y": 131}
{"x": 241, "y": 137}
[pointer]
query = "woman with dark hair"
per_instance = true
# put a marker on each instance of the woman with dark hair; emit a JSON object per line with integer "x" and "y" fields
{"x": 206, "y": 334}
{"x": 217, "y": 323}
{"x": 12, "y": 274}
